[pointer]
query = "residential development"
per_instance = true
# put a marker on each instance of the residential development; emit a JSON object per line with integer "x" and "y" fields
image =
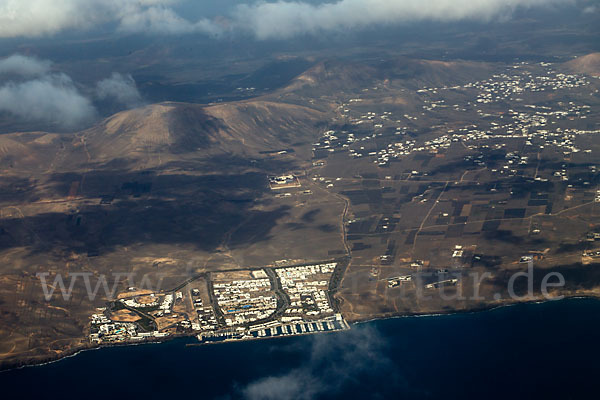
{"x": 236, "y": 305}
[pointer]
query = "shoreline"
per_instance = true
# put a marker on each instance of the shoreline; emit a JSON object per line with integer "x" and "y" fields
{"x": 78, "y": 350}
{"x": 475, "y": 310}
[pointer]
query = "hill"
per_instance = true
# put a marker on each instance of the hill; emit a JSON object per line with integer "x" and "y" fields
{"x": 588, "y": 64}
{"x": 243, "y": 129}
{"x": 159, "y": 133}
{"x": 348, "y": 76}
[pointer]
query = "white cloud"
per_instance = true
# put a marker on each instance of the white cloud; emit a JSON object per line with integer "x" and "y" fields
{"x": 49, "y": 99}
{"x": 335, "y": 360}
{"x": 35, "y": 93}
{"x": 273, "y": 19}
{"x": 164, "y": 20}
{"x": 32, "y": 18}
{"x": 284, "y": 19}
{"x": 121, "y": 88}
{"x": 24, "y": 66}
{"x": 296, "y": 385}
{"x": 38, "y": 17}
{"x": 590, "y": 10}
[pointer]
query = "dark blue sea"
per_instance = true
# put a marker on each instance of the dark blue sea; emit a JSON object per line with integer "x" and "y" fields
{"x": 528, "y": 351}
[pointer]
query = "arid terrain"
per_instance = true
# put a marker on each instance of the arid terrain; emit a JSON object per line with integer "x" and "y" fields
{"x": 431, "y": 182}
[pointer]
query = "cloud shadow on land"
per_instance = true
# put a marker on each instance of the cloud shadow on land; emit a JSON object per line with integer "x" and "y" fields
{"x": 149, "y": 209}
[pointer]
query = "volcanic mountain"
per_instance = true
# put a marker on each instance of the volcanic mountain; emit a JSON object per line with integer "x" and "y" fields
{"x": 167, "y": 131}
{"x": 588, "y": 64}
{"x": 244, "y": 128}
{"x": 337, "y": 75}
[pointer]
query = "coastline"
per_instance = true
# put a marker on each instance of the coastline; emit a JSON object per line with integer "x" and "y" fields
{"x": 80, "y": 349}
{"x": 476, "y": 310}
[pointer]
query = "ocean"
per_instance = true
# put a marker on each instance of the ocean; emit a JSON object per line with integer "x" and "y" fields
{"x": 549, "y": 350}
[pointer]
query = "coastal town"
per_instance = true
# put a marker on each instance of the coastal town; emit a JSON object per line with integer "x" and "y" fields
{"x": 243, "y": 304}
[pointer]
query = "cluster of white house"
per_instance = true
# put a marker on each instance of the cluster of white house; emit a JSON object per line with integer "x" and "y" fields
{"x": 307, "y": 288}
{"x": 517, "y": 80}
{"x": 504, "y": 86}
{"x": 133, "y": 302}
{"x": 283, "y": 181}
{"x": 245, "y": 301}
{"x": 206, "y": 316}
{"x": 529, "y": 123}
{"x": 166, "y": 304}
{"x": 105, "y": 330}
